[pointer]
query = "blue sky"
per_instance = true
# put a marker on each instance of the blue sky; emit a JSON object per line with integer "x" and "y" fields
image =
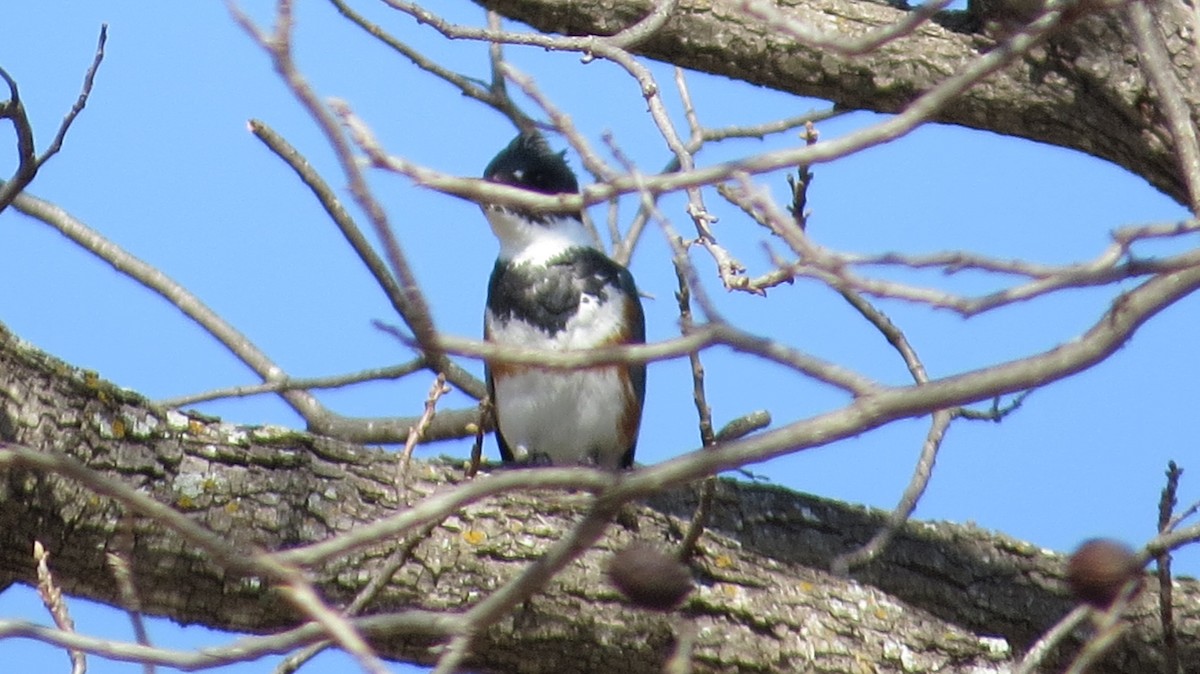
{"x": 161, "y": 163}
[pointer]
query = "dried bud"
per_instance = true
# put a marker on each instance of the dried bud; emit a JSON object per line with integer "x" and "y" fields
{"x": 1098, "y": 569}
{"x": 650, "y": 578}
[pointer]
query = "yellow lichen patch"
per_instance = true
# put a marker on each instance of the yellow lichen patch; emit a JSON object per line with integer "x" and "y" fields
{"x": 729, "y": 590}
{"x": 232, "y": 507}
{"x": 91, "y": 379}
{"x": 195, "y": 427}
{"x": 806, "y": 586}
{"x": 474, "y": 536}
{"x": 723, "y": 561}
{"x": 118, "y": 428}
{"x": 185, "y": 502}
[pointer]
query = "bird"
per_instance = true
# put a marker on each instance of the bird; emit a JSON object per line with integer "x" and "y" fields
{"x": 552, "y": 288}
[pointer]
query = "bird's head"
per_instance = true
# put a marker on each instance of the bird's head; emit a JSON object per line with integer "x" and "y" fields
{"x": 529, "y": 163}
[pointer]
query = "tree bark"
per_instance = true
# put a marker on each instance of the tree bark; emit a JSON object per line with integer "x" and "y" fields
{"x": 945, "y": 597}
{"x": 1081, "y": 89}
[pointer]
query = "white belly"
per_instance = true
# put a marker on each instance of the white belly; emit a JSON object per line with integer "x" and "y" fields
{"x": 566, "y": 417}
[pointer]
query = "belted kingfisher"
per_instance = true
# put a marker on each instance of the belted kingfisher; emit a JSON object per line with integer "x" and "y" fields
{"x": 552, "y": 289}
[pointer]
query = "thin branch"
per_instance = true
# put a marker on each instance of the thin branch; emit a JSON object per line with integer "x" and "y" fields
{"x": 495, "y": 98}
{"x": 679, "y": 250}
{"x": 535, "y": 576}
{"x": 117, "y": 559}
{"x": 1166, "y": 609}
{"x": 631, "y": 36}
{"x": 1050, "y": 639}
{"x": 415, "y": 311}
{"x": 768, "y": 128}
{"x": 299, "y": 383}
{"x": 562, "y": 122}
{"x": 939, "y": 424}
{"x": 28, "y": 163}
{"x": 396, "y": 294}
{"x": 418, "y": 430}
{"x": 244, "y": 649}
{"x": 52, "y": 599}
{"x": 835, "y": 269}
{"x": 379, "y": 580}
{"x": 178, "y": 296}
{"x": 89, "y": 79}
{"x": 1107, "y": 629}
{"x": 446, "y": 502}
{"x": 922, "y": 472}
{"x": 702, "y": 336}
{"x": 687, "y": 547}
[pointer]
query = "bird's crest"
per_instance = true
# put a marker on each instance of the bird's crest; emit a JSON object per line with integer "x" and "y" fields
{"x": 529, "y": 162}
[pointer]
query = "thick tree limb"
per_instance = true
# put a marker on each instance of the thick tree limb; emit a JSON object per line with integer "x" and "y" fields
{"x": 1081, "y": 89}
{"x": 934, "y": 599}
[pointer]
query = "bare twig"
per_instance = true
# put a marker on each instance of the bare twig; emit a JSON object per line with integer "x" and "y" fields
{"x": 938, "y": 426}
{"x": 445, "y": 502}
{"x": 701, "y": 336}
{"x": 118, "y": 563}
{"x": 1166, "y": 609}
{"x": 89, "y": 80}
{"x": 494, "y": 97}
{"x": 922, "y": 472}
{"x": 704, "y": 416}
{"x": 1050, "y": 639}
{"x": 244, "y": 649}
{"x": 535, "y": 576}
{"x": 299, "y": 383}
{"x": 487, "y": 418}
{"x": 680, "y": 661}
{"x": 1107, "y": 628}
{"x": 379, "y": 580}
{"x": 396, "y": 294}
{"x": 277, "y": 45}
{"x": 28, "y": 163}
{"x": 52, "y": 599}
{"x": 436, "y": 391}
{"x": 157, "y": 281}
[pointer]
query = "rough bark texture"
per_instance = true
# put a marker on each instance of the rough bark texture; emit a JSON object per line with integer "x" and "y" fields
{"x": 1081, "y": 89}
{"x": 945, "y": 598}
